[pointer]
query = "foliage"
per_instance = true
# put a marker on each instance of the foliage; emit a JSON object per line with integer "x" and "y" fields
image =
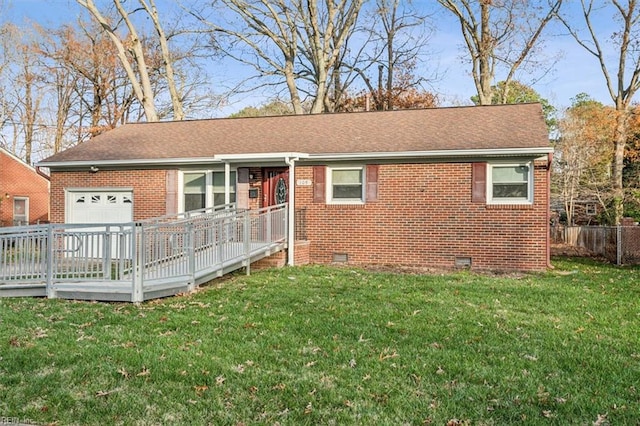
{"x": 403, "y": 98}
{"x": 515, "y": 92}
{"x": 585, "y": 156}
{"x": 320, "y": 345}
{"x": 275, "y": 107}
{"x": 621, "y": 72}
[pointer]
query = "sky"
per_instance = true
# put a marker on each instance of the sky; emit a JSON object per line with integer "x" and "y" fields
{"x": 574, "y": 72}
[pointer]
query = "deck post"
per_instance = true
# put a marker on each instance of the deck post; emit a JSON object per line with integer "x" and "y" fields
{"x": 122, "y": 236}
{"x": 268, "y": 222}
{"x": 219, "y": 241}
{"x": 191, "y": 253}
{"x": 51, "y": 294}
{"x": 247, "y": 241}
{"x": 106, "y": 254}
{"x": 137, "y": 263}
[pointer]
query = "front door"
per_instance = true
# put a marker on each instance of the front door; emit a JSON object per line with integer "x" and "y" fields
{"x": 275, "y": 186}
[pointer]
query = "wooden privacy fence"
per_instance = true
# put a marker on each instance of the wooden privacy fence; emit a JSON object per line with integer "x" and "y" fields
{"x": 619, "y": 244}
{"x": 137, "y": 261}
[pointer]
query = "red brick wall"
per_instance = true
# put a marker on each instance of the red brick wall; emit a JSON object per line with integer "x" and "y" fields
{"x": 19, "y": 180}
{"x": 424, "y": 217}
{"x": 149, "y": 189}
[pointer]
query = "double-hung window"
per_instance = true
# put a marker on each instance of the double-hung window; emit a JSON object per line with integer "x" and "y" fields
{"x": 218, "y": 188}
{"x": 195, "y": 185}
{"x": 510, "y": 183}
{"x": 206, "y": 189}
{"x": 345, "y": 185}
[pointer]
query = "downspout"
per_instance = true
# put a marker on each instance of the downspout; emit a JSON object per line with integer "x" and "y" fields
{"x": 291, "y": 211}
{"x": 550, "y": 161}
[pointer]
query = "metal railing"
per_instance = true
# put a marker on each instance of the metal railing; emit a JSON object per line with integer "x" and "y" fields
{"x": 171, "y": 249}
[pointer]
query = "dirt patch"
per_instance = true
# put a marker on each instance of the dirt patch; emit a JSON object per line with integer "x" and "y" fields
{"x": 571, "y": 251}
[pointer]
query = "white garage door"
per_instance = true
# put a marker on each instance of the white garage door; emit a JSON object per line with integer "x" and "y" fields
{"x": 100, "y": 207}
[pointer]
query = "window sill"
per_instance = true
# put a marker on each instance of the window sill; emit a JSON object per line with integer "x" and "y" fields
{"x": 527, "y": 206}
{"x": 345, "y": 205}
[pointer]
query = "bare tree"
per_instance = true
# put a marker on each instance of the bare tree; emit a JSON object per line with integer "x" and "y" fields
{"x": 622, "y": 77}
{"x": 403, "y": 35}
{"x": 499, "y": 33}
{"x": 326, "y": 31}
{"x": 167, "y": 58}
{"x": 23, "y": 92}
{"x": 140, "y": 76}
{"x": 299, "y": 41}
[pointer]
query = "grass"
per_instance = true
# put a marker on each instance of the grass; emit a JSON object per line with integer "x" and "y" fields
{"x": 319, "y": 345}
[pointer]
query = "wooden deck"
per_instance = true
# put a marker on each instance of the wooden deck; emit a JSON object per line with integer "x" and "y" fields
{"x": 122, "y": 291}
{"x": 138, "y": 262}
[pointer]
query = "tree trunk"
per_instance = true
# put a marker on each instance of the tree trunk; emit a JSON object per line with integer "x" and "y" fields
{"x": 485, "y": 51}
{"x": 620, "y": 142}
{"x": 141, "y": 85}
{"x": 176, "y": 100}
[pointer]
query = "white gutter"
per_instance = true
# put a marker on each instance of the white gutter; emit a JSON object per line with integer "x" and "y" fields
{"x": 453, "y": 153}
{"x": 279, "y": 156}
{"x": 275, "y": 156}
{"x": 136, "y": 162}
{"x": 291, "y": 211}
{"x": 261, "y": 156}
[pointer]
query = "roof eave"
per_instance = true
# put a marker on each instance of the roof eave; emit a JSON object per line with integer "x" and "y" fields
{"x": 283, "y": 156}
{"x": 129, "y": 163}
{"x": 439, "y": 154}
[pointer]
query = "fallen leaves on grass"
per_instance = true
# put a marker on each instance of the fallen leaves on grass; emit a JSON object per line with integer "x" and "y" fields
{"x": 105, "y": 393}
{"x": 200, "y": 389}
{"x": 388, "y": 353}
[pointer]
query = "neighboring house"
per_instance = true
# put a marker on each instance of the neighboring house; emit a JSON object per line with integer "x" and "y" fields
{"x": 586, "y": 212}
{"x": 24, "y": 192}
{"x": 443, "y": 187}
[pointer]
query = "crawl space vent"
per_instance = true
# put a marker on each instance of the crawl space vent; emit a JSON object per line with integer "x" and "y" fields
{"x": 463, "y": 262}
{"x": 340, "y": 258}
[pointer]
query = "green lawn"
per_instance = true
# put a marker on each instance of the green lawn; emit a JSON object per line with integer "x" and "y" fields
{"x": 319, "y": 345}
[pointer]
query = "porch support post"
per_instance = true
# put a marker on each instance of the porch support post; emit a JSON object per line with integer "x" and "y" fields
{"x": 227, "y": 182}
{"x": 291, "y": 217}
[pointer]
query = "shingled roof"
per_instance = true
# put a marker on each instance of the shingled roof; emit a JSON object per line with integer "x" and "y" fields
{"x": 498, "y": 127}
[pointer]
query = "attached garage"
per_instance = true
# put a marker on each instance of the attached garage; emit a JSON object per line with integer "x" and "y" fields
{"x": 99, "y": 206}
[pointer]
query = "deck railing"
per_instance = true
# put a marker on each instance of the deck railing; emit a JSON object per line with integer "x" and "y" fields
{"x": 187, "y": 247}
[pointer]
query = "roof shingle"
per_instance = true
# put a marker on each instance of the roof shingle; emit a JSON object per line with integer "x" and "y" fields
{"x": 436, "y": 129}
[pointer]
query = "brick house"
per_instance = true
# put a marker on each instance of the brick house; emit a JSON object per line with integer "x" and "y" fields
{"x": 24, "y": 192}
{"x": 442, "y": 187}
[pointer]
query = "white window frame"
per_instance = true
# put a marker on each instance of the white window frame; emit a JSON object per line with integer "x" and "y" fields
{"x": 329, "y": 189}
{"x": 513, "y": 200}
{"x": 208, "y": 176}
